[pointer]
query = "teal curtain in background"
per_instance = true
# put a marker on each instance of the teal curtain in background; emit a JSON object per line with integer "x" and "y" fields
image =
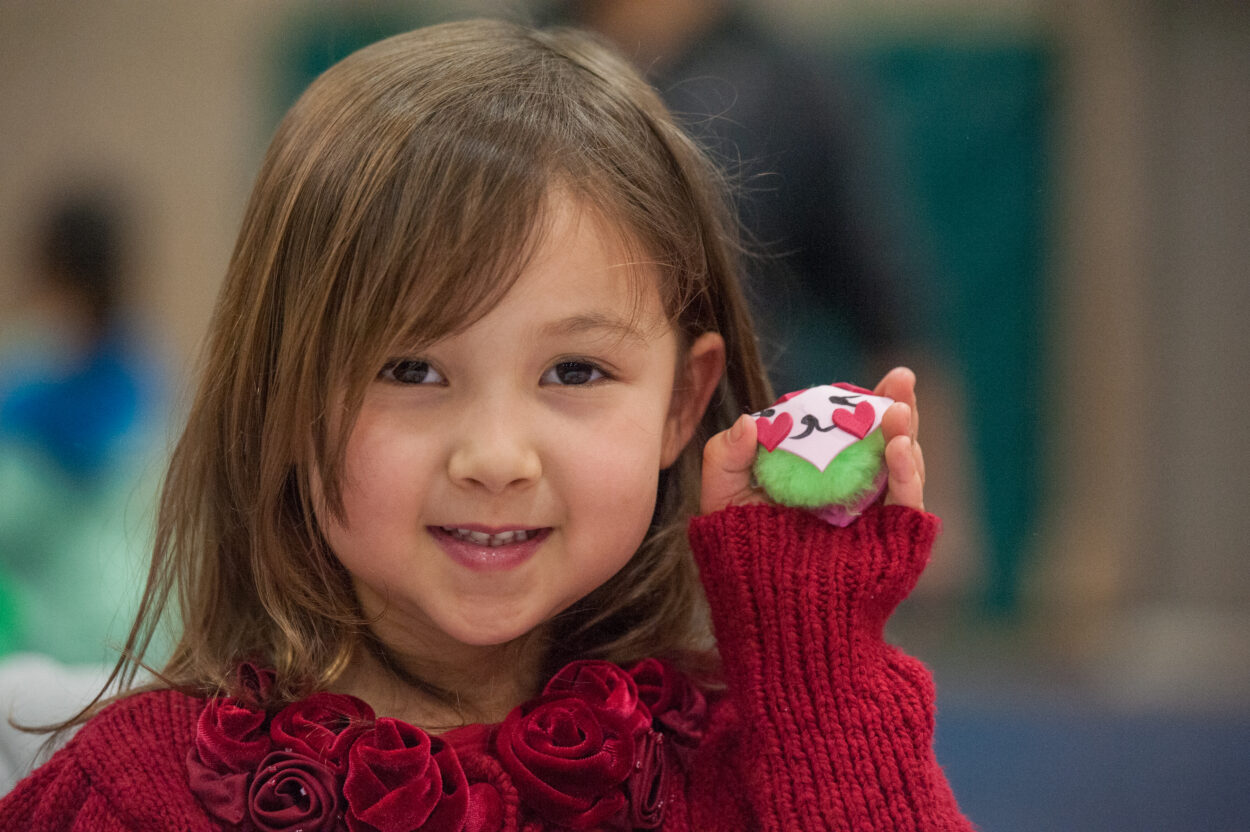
{"x": 971, "y": 124}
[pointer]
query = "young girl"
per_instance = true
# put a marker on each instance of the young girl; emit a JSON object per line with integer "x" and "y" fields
{"x": 425, "y": 535}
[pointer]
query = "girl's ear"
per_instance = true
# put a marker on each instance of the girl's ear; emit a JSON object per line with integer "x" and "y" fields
{"x": 697, "y": 378}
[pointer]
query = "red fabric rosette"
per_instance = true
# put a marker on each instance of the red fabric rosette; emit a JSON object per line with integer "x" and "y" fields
{"x": 292, "y": 792}
{"x": 253, "y": 684}
{"x": 568, "y": 758}
{"x": 230, "y": 742}
{"x": 400, "y": 779}
{"x": 605, "y": 686}
{"x": 230, "y": 737}
{"x": 322, "y": 727}
{"x": 678, "y": 706}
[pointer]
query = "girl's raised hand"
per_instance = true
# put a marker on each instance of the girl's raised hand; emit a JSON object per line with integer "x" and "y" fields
{"x": 729, "y": 455}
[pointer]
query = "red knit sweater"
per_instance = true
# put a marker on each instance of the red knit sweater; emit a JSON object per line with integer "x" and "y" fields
{"x": 824, "y": 726}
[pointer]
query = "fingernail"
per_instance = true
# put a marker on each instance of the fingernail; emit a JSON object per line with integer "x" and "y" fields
{"x": 736, "y": 429}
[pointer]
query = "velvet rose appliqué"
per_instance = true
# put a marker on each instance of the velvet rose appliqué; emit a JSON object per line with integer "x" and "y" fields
{"x": 679, "y": 708}
{"x": 592, "y": 751}
{"x": 401, "y": 778}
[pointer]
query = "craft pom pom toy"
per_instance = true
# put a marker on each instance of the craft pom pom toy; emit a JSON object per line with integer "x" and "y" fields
{"x": 823, "y": 450}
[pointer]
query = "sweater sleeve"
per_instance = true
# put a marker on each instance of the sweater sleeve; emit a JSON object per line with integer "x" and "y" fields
{"x": 57, "y": 798}
{"x": 834, "y": 727}
{"x": 124, "y": 770}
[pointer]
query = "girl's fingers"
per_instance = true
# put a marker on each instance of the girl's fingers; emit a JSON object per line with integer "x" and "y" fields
{"x": 727, "y": 460}
{"x": 897, "y": 421}
{"x": 900, "y": 425}
{"x": 906, "y": 473}
{"x": 900, "y": 384}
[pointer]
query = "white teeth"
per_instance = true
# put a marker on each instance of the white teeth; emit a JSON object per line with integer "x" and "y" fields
{"x": 483, "y": 539}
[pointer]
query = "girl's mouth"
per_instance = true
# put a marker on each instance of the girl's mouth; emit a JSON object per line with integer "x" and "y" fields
{"x": 492, "y": 540}
{"x": 488, "y": 551}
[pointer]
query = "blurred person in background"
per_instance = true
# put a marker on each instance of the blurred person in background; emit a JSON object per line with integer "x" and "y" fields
{"x": 785, "y": 129}
{"x": 78, "y": 415}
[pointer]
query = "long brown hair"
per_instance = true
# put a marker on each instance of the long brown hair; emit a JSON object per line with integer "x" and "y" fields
{"x": 397, "y": 203}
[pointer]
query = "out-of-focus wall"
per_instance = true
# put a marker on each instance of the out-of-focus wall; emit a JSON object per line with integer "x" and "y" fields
{"x": 1145, "y": 553}
{"x": 160, "y": 100}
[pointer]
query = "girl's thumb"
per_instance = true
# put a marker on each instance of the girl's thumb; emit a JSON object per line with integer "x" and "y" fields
{"x": 727, "y": 460}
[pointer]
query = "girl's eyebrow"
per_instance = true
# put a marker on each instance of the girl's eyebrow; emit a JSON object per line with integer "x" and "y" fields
{"x": 592, "y": 323}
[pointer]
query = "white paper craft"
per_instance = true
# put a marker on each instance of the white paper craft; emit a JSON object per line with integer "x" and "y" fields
{"x": 821, "y": 422}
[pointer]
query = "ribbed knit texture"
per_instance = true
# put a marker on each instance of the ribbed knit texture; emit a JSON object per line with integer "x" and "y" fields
{"x": 824, "y": 727}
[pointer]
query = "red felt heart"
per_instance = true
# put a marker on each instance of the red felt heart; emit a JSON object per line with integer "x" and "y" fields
{"x": 856, "y": 423}
{"x": 771, "y": 432}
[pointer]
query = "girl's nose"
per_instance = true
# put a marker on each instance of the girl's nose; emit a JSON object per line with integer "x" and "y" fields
{"x": 494, "y": 456}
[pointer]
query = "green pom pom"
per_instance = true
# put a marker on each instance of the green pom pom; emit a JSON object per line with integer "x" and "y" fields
{"x": 793, "y": 481}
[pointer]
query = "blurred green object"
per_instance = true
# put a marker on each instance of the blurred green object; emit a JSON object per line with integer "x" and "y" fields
{"x": 970, "y": 121}
{"x": 72, "y": 555}
{"x": 8, "y": 617}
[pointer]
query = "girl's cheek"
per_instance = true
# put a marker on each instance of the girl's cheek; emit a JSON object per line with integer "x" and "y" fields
{"x": 619, "y": 437}
{"x": 622, "y": 455}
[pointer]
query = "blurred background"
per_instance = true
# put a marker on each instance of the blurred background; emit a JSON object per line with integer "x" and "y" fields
{"x": 1042, "y": 206}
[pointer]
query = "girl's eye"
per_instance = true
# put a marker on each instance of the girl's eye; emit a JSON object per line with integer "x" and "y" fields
{"x": 409, "y": 371}
{"x": 573, "y": 373}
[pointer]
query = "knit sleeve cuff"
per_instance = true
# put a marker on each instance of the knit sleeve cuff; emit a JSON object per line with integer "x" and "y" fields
{"x": 779, "y": 561}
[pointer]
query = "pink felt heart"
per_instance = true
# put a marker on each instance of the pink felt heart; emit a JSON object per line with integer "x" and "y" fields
{"x": 772, "y": 432}
{"x": 856, "y": 423}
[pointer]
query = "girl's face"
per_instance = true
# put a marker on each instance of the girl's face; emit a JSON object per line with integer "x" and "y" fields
{"x": 501, "y": 474}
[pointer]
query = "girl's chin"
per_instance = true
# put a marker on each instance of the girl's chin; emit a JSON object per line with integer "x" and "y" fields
{"x": 487, "y": 636}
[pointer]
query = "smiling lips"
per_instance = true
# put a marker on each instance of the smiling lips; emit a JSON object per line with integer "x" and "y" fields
{"x": 485, "y": 550}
